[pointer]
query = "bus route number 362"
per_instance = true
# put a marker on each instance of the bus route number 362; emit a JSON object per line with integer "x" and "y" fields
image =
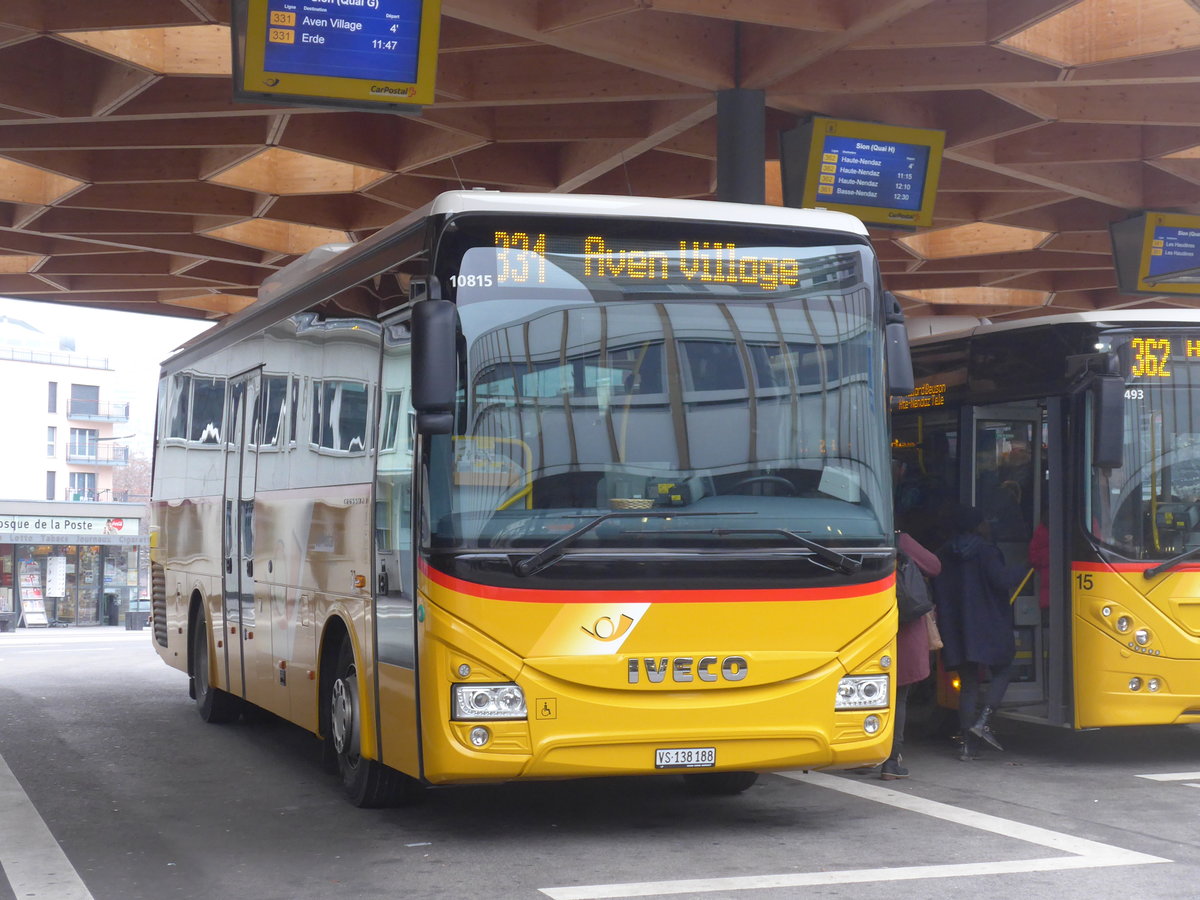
{"x": 685, "y": 758}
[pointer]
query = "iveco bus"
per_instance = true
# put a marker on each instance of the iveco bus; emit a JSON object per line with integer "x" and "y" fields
{"x": 541, "y": 486}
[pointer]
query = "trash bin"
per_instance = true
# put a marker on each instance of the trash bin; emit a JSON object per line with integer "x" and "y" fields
{"x": 6, "y": 621}
{"x": 134, "y": 620}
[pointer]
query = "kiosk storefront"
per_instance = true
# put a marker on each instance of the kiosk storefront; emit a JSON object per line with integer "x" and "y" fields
{"x": 61, "y": 567}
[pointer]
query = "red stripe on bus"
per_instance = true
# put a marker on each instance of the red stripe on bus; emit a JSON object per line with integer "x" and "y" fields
{"x": 1130, "y": 567}
{"x": 607, "y": 595}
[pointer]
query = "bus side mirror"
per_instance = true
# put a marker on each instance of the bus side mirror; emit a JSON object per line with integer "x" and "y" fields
{"x": 899, "y": 358}
{"x": 1108, "y": 434}
{"x": 434, "y": 364}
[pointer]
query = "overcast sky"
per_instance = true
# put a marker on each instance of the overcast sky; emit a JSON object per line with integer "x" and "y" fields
{"x": 134, "y": 344}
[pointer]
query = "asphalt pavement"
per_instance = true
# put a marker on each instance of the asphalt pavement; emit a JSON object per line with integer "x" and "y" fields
{"x": 112, "y": 788}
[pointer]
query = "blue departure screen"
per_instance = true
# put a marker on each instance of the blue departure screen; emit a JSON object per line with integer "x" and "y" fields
{"x": 868, "y": 172}
{"x": 368, "y": 39}
{"x": 1173, "y": 249}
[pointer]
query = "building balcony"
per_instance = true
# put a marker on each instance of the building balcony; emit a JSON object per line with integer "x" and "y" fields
{"x": 98, "y": 455}
{"x": 108, "y": 495}
{"x": 85, "y": 496}
{"x": 97, "y": 410}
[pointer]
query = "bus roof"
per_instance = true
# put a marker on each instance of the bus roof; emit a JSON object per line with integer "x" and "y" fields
{"x": 453, "y": 202}
{"x": 280, "y": 295}
{"x": 1114, "y": 318}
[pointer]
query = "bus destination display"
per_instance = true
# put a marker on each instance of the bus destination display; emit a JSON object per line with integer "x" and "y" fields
{"x": 1158, "y": 357}
{"x": 356, "y": 52}
{"x": 541, "y": 259}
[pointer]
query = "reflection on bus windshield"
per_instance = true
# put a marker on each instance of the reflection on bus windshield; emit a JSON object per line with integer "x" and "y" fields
{"x": 722, "y": 408}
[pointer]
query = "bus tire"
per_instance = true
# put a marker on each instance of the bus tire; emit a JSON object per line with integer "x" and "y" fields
{"x": 368, "y": 783}
{"x": 719, "y": 784}
{"x": 213, "y": 704}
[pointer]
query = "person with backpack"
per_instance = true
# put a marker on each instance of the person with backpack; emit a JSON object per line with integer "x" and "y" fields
{"x": 976, "y": 623}
{"x": 912, "y": 644}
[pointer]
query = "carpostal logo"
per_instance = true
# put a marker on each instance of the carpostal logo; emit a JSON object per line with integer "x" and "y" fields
{"x": 390, "y": 91}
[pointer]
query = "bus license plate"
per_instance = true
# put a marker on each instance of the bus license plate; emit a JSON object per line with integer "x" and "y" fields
{"x": 685, "y": 758}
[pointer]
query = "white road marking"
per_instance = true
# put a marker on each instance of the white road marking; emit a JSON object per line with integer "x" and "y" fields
{"x": 1085, "y": 854}
{"x": 33, "y": 861}
{"x": 56, "y": 640}
{"x": 58, "y": 650}
{"x": 1173, "y": 776}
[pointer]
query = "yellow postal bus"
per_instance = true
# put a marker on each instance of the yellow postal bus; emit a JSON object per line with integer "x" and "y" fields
{"x": 1079, "y": 435}
{"x": 542, "y": 486}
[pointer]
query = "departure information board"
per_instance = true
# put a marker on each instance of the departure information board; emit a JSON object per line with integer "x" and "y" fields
{"x": 343, "y": 41}
{"x": 367, "y": 53}
{"x": 1171, "y": 253}
{"x": 872, "y": 173}
{"x": 883, "y": 174}
{"x": 1157, "y": 253}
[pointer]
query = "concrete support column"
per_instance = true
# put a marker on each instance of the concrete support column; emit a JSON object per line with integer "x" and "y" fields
{"x": 741, "y": 145}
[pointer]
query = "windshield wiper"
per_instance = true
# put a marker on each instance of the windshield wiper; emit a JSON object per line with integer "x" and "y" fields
{"x": 552, "y": 552}
{"x": 839, "y": 561}
{"x": 1172, "y": 562}
{"x": 828, "y": 555}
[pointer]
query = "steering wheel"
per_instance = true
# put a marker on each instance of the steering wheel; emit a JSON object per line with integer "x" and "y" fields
{"x": 765, "y": 479}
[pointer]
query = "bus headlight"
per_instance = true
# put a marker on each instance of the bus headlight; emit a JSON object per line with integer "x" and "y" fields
{"x": 1124, "y": 623}
{"x": 488, "y": 701}
{"x": 1142, "y": 636}
{"x": 862, "y": 692}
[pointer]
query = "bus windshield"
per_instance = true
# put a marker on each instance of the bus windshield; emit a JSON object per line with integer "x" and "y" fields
{"x": 1149, "y": 508}
{"x": 735, "y": 381}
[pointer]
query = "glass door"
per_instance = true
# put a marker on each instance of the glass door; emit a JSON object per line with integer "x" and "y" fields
{"x": 1006, "y": 485}
{"x": 241, "y": 468}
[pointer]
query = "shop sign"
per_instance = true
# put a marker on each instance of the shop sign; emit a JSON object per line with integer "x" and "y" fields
{"x": 11, "y": 525}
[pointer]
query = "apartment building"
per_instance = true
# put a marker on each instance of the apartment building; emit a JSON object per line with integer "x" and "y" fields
{"x": 70, "y": 551}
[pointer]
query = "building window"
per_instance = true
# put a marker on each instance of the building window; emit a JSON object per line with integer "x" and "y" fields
{"x": 53, "y": 397}
{"x": 50, "y": 485}
{"x": 84, "y": 443}
{"x": 83, "y": 485}
{"x": 85, "y": 400}
{"x": 51, "y": 437}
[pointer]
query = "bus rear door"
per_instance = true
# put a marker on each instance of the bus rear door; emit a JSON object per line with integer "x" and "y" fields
{"x": 240, "y": 473}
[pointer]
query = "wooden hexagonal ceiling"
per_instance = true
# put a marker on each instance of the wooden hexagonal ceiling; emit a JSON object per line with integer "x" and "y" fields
{"x": 130, "y": 180}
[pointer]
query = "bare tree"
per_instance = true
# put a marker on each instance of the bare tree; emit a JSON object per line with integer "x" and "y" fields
{"x": 131, "y": 483}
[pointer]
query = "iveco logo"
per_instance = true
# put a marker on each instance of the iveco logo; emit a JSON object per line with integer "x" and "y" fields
{"x": 686, "y": 668}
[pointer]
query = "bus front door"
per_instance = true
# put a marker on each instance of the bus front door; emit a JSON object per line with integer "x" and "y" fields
{"x": 241, "y": 466}
{"x": 1005, "y": 482}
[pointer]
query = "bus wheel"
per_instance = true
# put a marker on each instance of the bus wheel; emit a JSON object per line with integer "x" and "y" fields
{"x": 367, "y": 782}
{"x": 213, "y": 704}
{"x": 719, "y": 784}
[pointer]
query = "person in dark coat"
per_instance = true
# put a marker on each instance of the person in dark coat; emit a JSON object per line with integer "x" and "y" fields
{"x": 975, "y": 619}
{"x": 912, "y": 656}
